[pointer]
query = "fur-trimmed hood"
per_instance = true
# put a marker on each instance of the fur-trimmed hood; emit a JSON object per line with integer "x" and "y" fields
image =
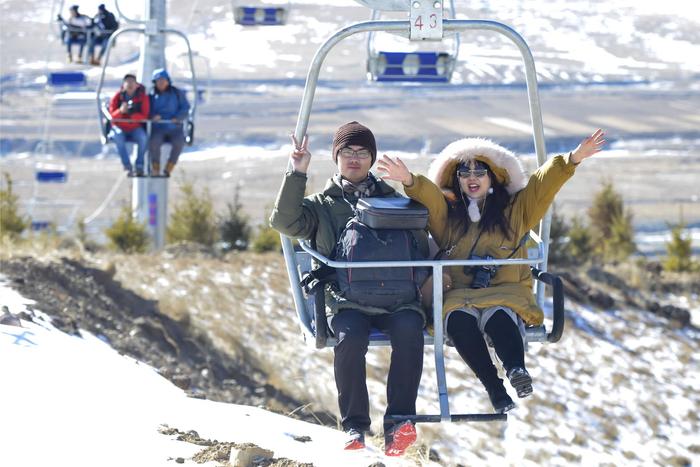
{"x": 503, "y": 163}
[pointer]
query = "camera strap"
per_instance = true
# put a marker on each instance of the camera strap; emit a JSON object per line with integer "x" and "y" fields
{"x": 512, "y": 252}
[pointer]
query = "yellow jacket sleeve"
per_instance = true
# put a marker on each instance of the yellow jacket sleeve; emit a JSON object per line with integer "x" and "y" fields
{"x": 427, "y": 193}
{"x": 532, "y": 202}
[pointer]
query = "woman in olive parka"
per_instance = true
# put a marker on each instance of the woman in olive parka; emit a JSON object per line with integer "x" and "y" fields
{"x": 480, "y": 204}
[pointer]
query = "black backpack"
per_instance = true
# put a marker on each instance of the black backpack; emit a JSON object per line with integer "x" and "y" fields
{"x": 381, "y": 287}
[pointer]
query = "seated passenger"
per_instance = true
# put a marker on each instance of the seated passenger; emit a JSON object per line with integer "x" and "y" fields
{"x": 481, "y": 205}
{"x": 169, "y": 108}
{"x": 104, "y": 25}
{"x": 129, "y": 110}
{"x": 320, "y": 218}
{"x": 75, "y": 31}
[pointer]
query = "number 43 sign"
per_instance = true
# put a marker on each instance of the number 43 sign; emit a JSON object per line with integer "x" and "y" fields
{"x": 426, "y": 20}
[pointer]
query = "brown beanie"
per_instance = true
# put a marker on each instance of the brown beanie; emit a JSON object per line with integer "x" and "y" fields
{"x": 354, "y": 133}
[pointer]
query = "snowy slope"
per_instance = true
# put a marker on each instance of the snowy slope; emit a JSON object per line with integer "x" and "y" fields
{"x": 71, "y": 401}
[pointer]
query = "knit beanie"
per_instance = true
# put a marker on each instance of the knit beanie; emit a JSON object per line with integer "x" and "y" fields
{"x": 354, "y": 133}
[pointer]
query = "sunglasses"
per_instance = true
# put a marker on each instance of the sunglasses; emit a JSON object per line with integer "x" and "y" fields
{"x": 478, "y": 173}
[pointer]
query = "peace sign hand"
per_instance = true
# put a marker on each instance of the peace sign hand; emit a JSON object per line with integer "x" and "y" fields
{"x": 300, "y": 156}
{"x": 589, "y": 146}
{"x": 395, "y": 169}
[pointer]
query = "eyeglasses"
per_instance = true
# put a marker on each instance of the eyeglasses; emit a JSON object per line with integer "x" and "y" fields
{"x": 347, "y": 153}
{"x": 478, "y": 173}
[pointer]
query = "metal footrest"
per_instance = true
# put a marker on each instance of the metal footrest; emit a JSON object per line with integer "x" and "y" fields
{"x": 467, "y": 417}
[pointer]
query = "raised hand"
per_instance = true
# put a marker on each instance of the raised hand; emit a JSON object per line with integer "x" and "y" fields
{"x": 300, "y": 155}
{"x": 395, "y": 169}
{"x": 589, "y": 146}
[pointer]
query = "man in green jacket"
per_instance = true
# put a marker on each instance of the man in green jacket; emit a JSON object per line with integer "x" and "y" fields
{"x": 321, "y": 217}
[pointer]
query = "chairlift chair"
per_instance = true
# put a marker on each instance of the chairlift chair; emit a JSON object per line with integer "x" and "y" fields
{"x": 103, "y": 115}
{"x": 299, "y": 260}
{"x": 50, "y": 173}
{"x": 410, "y": 66}
{"x": 66, "y": 79}
{"x": 261, "y": 14}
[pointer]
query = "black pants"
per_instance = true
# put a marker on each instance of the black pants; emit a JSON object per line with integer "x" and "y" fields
{"x": 469, "y": 342}
{"x": 352, "y": 327}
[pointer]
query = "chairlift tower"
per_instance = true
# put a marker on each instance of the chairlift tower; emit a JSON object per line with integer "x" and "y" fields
{"x": 149, "y": 199}
{"x": 149, "y": 195}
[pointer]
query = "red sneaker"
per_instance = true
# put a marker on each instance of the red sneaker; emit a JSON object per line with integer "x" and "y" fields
{"x": 356, "y": 440}
{"x": 400, "y": 439}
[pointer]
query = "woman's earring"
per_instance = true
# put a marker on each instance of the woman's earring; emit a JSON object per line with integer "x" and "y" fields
{"x": 490, "y": 190}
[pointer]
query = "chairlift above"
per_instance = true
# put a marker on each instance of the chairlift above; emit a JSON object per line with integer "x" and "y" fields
{"x": 50, "y": 173}
{"x": 73, "y": 79}
{"x": 299, "y": 260}
{"x": 385, "y": 64}
{"x": 260, "y": 14}
{"x": 103, "y": 115}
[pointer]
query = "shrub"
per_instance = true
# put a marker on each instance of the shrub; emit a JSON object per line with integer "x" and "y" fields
{"x": 580, "y": 245}
{"x": 268, "y": 239}
{"x": 679, "y": 250}
{"x": 128, "y": 235}
{"x": 558, "y": 241}
{"x": 234, "y": 228}
{"x": 620, "y": 245}
{"x": 12, "y": 224}
{"x": 193, "y": 218}
{"x": 611, "y": 225}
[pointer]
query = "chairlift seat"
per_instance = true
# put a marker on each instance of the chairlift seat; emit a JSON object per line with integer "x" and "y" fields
{"x": 260, "y": 16}
{"x": 40, "y": 225}
{"x": 51, "y": 176}
{"x": 412, "y": 66}
{"x": 67, "y": 78}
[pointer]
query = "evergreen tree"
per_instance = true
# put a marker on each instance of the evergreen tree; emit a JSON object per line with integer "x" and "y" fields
{"x": 580, "y": 242}
{"x": 193, "y": 217}
{"x": 611, "y": 226}
{"x": 12, "y": 224}
{"x": 126, "y": 234}
{"x": 235, "y": 229}
{"x": 558, "y": 239}
{"x": 679, "y": 250}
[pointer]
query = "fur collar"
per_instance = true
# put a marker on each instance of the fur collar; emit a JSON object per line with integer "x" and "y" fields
{"x": 504, "y": 164}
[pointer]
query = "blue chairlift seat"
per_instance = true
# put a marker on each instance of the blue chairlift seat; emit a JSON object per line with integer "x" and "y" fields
{"x": 260, "y": 16}
{"x": 67, "y": 78}
{"x": 51, "y": 176}
{"x": 40, "y": 225}
{"x": 413, "y": 66}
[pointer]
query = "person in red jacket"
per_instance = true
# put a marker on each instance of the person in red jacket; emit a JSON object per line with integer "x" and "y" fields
{"x": 129, "y": 109}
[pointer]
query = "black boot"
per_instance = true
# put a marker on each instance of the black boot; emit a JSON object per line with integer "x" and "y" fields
{"x": 500, "y": 400}
{"x": 521, "y": 380}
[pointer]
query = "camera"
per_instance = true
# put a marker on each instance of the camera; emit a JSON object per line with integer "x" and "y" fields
{"x": 482, "y": 274}
{"x": 132, "y": 106}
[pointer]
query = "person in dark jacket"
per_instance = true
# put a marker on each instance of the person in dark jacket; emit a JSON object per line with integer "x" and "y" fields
{"x": 321, "y": 217}
{"x": 104, "y": 25}
{"x": 75, "y": 31}
{"x": 169, "y": 109}
{"x": 129, "y": 110}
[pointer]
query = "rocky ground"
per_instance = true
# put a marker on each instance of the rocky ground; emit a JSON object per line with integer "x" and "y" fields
{"x": 78, "y": 295}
